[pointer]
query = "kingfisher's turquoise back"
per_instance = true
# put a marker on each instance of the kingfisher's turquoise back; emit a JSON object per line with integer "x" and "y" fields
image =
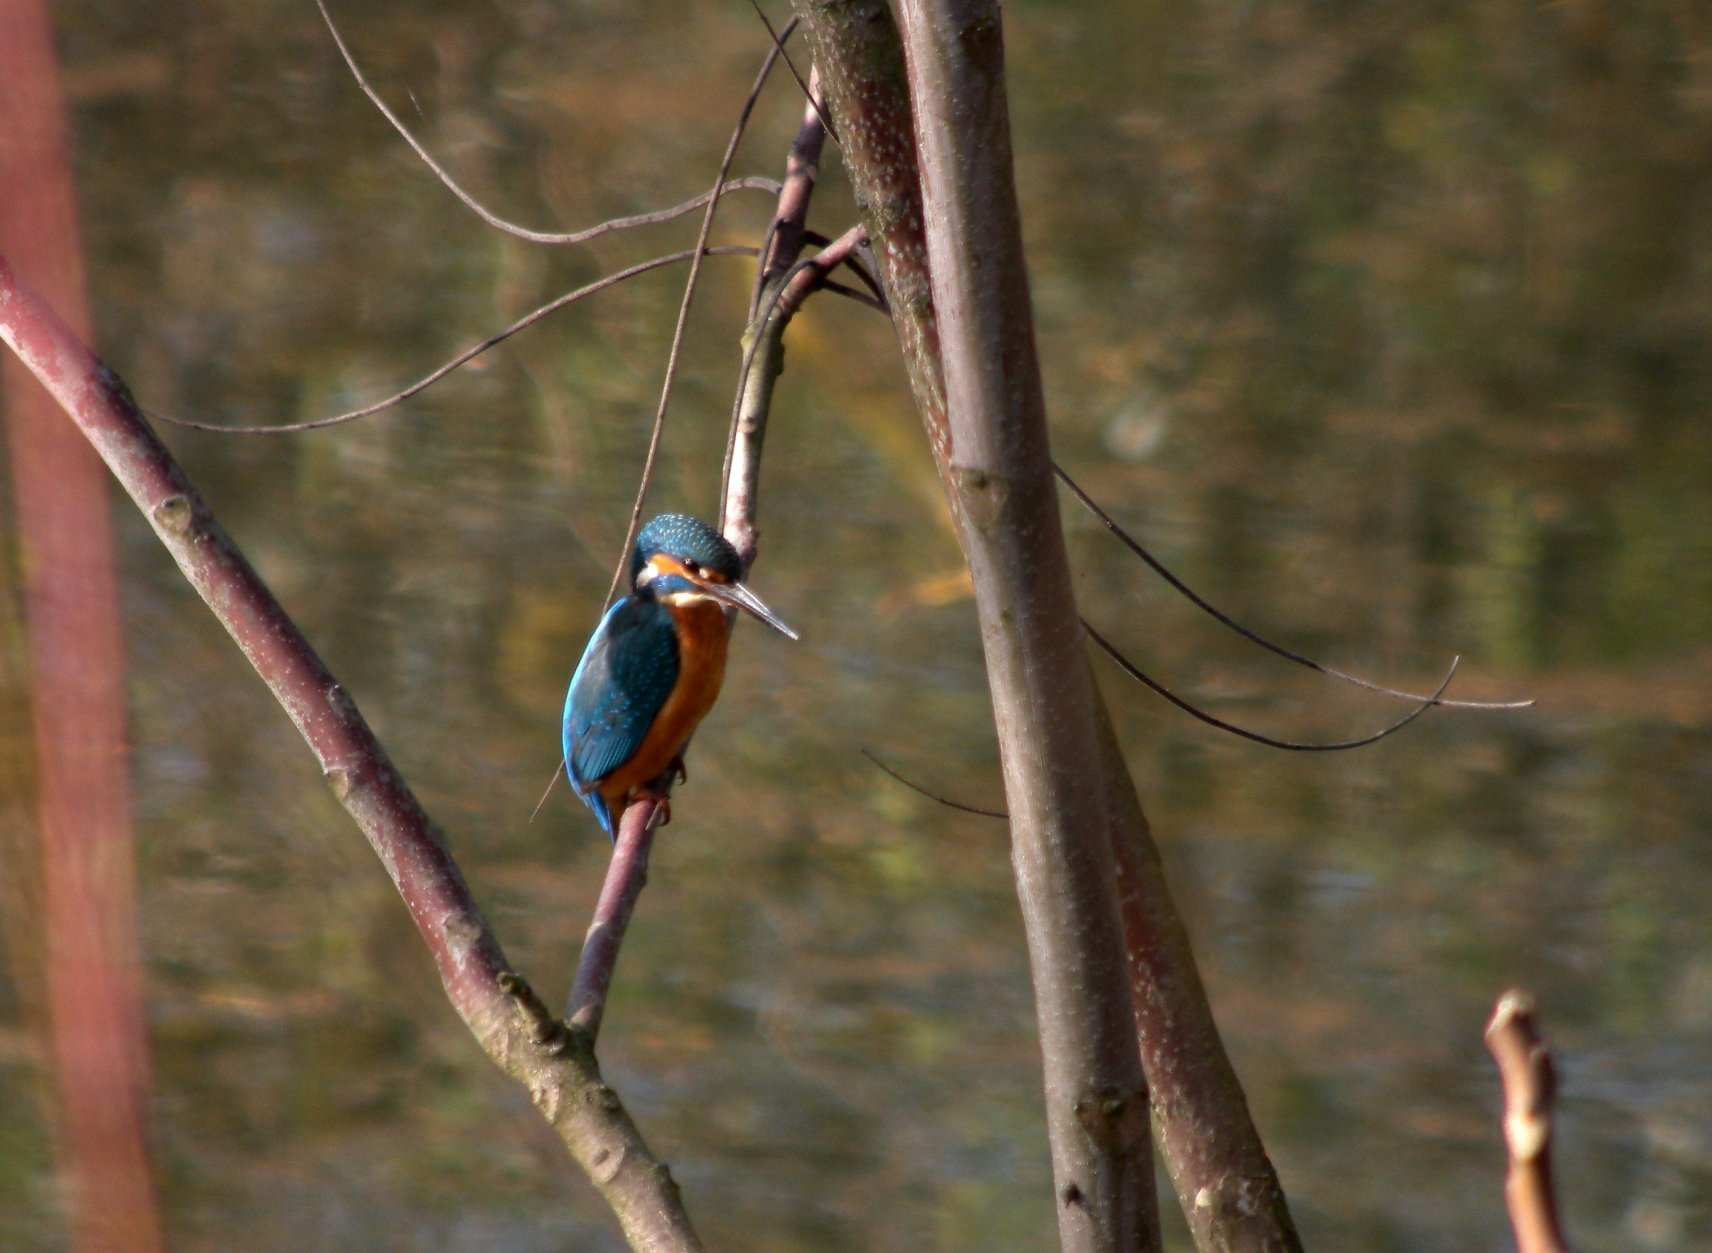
{"x": 627, "y": 671}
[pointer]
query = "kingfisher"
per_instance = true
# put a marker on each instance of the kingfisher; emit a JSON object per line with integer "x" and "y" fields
{"x": 653, "y": 667}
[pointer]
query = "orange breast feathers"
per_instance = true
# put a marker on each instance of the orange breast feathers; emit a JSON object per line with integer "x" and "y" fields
{"x": 703, "y": 633}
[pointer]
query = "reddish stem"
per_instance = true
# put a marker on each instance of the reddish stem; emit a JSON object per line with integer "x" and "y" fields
{"x": 626, "y": 876}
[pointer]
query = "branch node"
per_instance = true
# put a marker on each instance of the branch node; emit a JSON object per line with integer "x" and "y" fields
{"x": 175, "y": 515}
{"x": 545, "y": 1030}
{"x": 339, "y": 779}
{"x": 1113, "y": 1119}
{"x": 606, "y": 1164}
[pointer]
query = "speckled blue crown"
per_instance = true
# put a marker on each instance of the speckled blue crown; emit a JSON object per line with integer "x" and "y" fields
{"x": 688, "y": 539}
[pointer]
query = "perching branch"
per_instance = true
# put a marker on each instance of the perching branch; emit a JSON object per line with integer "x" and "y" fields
{"x": 563, "y": 1080}
{"x": 626, "y": 876}
{"x": 1530, "y": 1087}
{"x": 627, "y": 872}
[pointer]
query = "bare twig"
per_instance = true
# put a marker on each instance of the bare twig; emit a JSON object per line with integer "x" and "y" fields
{"x": 627, "y": 871}
{"x": 1189, "y": 593}
{"x": 934, "y": 796}
{"x": 876, "y": 303}
{"x": 789, "y": 226}
{"x": 468, "y": 354}
{"x": 626, "y": 876}
{"x": 1293, "y": 746}
{"x": 493, "y": 219}
{"x": 764, "y": 344}
{"x": 1530, "y": 1087}
{"x": 808, "y": 89}
{"x": 659, "y": 427}
{"x": 787, "y": 232}
{"x": 547, "y": 791}
{"x": 565, "y": 1083}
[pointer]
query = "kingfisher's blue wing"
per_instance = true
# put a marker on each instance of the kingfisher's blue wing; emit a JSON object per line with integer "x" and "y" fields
{"x": 628, "y": 670}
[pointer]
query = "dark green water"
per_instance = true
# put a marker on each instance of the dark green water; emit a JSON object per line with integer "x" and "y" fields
{"x": 1388, "y": 328}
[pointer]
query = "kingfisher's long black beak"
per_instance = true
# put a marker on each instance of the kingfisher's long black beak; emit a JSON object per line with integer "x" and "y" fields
{"x": 735, "y": 594}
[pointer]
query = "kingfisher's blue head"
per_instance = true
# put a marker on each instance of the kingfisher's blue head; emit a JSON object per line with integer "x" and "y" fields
{"x": 681, "y": 559}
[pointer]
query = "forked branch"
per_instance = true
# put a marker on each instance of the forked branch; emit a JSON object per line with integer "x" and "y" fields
{"x": 563, "y": 1081}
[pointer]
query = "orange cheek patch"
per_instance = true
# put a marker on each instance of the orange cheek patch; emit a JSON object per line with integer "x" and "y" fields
{"x": 660, "y": 563}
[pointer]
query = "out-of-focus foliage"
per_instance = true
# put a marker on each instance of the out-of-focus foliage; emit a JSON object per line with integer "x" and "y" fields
{"x": 1386, "y": 324}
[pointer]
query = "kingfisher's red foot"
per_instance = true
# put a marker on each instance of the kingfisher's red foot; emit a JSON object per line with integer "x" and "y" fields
{"x": 678, "y": 768}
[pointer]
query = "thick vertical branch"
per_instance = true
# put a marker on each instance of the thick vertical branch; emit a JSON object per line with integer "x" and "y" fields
{"x": 1210, "y": 1146}
{"x": 1530, "y": 1087}
{"x": 1042, "y": 691}
{"x": 498, "y": 1008}
{"x": 1226, "y": 1184}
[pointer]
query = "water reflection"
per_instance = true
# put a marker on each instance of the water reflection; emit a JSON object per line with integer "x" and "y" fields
{"x": 1384, "y": 328}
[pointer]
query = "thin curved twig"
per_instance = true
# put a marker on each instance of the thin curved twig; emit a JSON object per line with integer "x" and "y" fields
{"x": 808, "y": 93}
{"x": 659, "y": 428}
{"x": 934, "y": 796}
{"x": 747, "y": 183}
{"x": 851, "y": 293}
{"x": 469, "y": 354}
{"x": 1292, "y": 746}
{"x": 1195, "y": 599}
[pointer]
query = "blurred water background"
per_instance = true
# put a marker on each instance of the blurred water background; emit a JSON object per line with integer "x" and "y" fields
{"x": 1386, "y": 325}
